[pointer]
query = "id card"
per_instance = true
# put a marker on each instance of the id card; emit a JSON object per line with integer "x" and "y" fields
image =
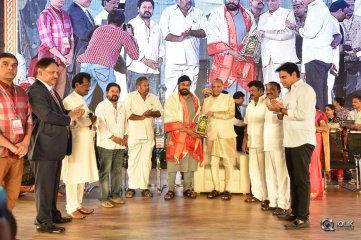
{"x": 16, "y": 126}
{"x": 65, "y": 41}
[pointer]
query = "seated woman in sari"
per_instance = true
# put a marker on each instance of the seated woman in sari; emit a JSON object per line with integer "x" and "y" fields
{"x": 320, "y": 159}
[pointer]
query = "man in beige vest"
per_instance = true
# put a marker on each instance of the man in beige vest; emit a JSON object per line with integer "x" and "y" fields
{"x": 221, "y": 138}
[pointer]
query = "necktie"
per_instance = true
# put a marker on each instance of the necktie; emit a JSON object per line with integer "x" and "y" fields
{"x": 89, "y": 17}
{"x": 56, "y": 99}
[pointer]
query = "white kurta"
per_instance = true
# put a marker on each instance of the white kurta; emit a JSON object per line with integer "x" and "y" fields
{"x": 80, "y": 166}
{"x": 141, "y": 138}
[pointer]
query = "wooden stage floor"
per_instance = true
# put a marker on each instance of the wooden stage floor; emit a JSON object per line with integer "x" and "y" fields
{"x": 200, "y": 218}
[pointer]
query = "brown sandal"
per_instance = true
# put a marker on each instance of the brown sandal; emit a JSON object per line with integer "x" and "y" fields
{"x": 213, "y": 194}
{"x": 251, "y": 199}
{"x": 169, "y": 195}
{"x": 190, "y": 193}
{"x": 226, "y": 196}
{"x": 146, "y": 193}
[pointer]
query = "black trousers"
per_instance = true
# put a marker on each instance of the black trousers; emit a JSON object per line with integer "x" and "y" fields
{"x": 316, "y": 77}
{"x": 47, "y": 179}
{"x": 298, "y": 161}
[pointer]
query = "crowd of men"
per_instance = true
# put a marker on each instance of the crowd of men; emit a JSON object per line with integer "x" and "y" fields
{"x": 55, "y": 128}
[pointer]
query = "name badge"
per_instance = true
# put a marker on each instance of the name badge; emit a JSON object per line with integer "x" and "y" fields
{"x": 16, "y": 126}
{"x": 66, "y": 42}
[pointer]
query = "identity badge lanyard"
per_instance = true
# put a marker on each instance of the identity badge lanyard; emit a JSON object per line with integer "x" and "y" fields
{"x": 64, "y": 38}
{"x": 16, "y": 125}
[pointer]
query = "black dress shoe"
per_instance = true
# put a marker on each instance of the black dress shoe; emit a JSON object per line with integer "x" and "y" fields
{"x": 296, "y": 224}
{"x": 62, "y": 220}
{"x": 50, "y": 229}
{"x": 287, "y": 217}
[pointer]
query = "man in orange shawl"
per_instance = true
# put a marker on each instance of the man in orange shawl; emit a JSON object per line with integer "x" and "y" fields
{"x": 184, "y": 145}
{"x": 227, "y": 27}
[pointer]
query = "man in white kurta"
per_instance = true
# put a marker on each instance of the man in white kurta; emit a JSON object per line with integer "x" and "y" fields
{"x": 253, "y": 138}
{"x": 221, "y": 137}
{"x": 150, "y": 40}
{"x": 141, "y": 108}
{"x": 80, "y": 167}
{"x": 278, "y": 42}
{"x": 111, "y": 142}
{"x": 183, "y": 27}
{"x": 278, "y": 182}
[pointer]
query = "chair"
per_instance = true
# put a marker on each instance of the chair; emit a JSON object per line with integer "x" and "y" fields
{"x": 240, "y": 183}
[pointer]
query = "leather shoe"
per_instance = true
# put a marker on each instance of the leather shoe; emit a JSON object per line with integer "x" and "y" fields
{"x": 296, "y": 224}
{"x": 50, "y": 229}
{"x": 62, "y": 220}
{"x": 287, "y": 217}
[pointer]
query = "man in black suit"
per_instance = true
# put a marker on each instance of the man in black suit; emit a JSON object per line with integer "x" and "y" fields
{"x": 238, "y": 98}
{"x": 83, "y": 23}
{"x": 49, "y": 144}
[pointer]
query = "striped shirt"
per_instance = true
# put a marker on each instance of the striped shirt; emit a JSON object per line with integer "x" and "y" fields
{"x": 105, "y": 46}
{"x": 14, "y": 104}
{"x": 53, "y": 25}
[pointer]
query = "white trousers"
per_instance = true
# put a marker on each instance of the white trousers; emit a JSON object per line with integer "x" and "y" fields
{"x": 278, "y": 181}
{"x": 74, "y": 196}
{"x": 173, "y": 72}
{"x": 257, "y": 173}
{"x": 139, "y": 163}
{"x": 228, "y": 172}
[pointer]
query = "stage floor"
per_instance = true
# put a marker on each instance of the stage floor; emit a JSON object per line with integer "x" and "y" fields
{"x": 199, "y": 218}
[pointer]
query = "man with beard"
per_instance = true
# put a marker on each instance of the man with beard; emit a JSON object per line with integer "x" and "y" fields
{"x": 278, "y": 42}
{"x": 184, "y": 148}
{"x": 221, "y": 138}
{"x": 253, "y": 139}
{"x": 111, "y": 142}
{"x": 227, "y": 27}
{"x": 80, "y": 167}
{"x": 151, "y": 48}
{"x": 141, "y": 108}
{"x": 182, "y": 26}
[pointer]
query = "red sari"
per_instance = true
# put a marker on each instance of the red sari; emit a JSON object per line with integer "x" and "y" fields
{"x": 318, "y": 157}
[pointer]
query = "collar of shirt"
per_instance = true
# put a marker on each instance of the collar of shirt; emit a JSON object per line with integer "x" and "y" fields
{"x": 313, "y": 3}
{"x": 5, "y": 85}
{"x": 296, "y": 84}
{"x": 176, "y": 7}
{"x": 58, "y": 11}
{"x": 260, "y": 99}
{"x": 138, "y": 93}
{"x": 83, "y": 8}
{"x": 275, "y": 11}
{"x": 141, "y": 21}
{"x": 46, "y": 85}
{"x": 107, "y": 101}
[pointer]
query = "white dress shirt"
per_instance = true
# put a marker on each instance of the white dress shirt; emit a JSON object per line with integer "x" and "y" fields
{"x": 110, "y": 121}
{"x": 173, "y": 21}
{"x": 151, "y": 45}
{"x": 299, "y": 126}
{"x": 254, "y": 118}
{"x": 278, "y": 42}
{"x": 317, "y": 33}
{"x": 354, "y": 115}
{"x": 273, "y": 131}
{"x": 135, "y": 104}
{"x": 103, "y": 15}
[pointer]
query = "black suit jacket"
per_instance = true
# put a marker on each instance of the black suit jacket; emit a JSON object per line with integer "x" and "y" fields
{"x": 239, "y": 130}
{"x": 51, "y": 138}
{"x": 81, "y": 29}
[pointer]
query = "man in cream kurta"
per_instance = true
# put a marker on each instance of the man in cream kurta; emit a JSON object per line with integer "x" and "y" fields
{"x": 221, "y": 138}
{"x": 141, "y": 108}
{"x": 184, "y": 148}
{"x": 278, "y": 42}
{"x": 278, "y": 182}
{"x": 80, "y": 167}
{"x": 253, "y": 138}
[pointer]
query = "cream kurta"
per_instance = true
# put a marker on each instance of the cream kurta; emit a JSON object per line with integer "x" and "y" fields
{"x": 80, "y": 166}
{"x": 221, "y": 138}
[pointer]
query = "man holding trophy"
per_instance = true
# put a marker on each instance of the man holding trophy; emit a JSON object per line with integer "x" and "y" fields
{"x": 221, "y": 138}
{"x": 184, "y": 149}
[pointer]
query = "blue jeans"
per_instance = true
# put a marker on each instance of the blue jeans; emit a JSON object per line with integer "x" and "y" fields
{"x": 111, "y": 165}
{"x": 154, "y": 81}
{"x": 100, "y": 75}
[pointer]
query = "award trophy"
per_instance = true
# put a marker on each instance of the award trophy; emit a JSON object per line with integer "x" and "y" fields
{"x": 250, "y": 48}
{"x": 202, "y": 125}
